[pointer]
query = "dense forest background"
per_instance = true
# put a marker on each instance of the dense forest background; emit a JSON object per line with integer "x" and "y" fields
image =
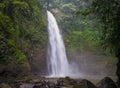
{"x": 84, "y": 26}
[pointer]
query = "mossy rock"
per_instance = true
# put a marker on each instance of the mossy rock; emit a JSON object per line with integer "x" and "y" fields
{"x": 106, "y": 83}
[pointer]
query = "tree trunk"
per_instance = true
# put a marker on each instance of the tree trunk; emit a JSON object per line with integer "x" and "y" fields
{"x": 118, "y": 68}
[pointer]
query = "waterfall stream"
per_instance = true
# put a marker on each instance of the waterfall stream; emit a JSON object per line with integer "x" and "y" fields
{"x": 58, "y": 65}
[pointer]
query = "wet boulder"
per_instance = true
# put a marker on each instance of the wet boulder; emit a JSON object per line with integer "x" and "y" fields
{"x": 89, "y": 84}
{"x": 37, "y": 86}
{"x": 106, "y": 83}
{"x": 70, "y": 81}
{"x": 85, "y": 84}
{"x": 4, "y": 85}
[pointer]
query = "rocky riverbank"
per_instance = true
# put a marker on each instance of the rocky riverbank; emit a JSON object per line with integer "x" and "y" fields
{"x": 20, "y": 76}
{"x": 33, "y": 81}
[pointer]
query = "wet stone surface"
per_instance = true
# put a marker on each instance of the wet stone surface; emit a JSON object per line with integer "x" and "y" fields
{"x": 60, "y": 83}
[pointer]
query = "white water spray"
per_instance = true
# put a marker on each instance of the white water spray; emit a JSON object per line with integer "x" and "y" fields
{"x": 58, "y": 65}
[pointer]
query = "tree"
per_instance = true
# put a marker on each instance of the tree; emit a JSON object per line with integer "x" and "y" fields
{"x": 108, "y": 11}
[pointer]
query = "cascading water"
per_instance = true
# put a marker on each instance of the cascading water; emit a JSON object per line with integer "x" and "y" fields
{"x": 58, "y": 65}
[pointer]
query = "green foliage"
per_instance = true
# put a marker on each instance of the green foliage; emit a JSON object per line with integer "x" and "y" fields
{"x": 20, "y": 4}
{"x": 81, "y": 32}
{"x": 18, "y": 56}
{"x": 109, "y": 14}
{"x": 84, "y": 12}
{"x": 83, "y": 40}
{"x": 6, "y": 25}
{"x": 69, "y": 7}
{"x": 1, "y": 6}
{"x": 3, "y": 48}
{"x": 22, "y": 27}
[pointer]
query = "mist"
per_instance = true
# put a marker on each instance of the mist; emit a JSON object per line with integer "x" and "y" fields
{"x": 92, "y": 65}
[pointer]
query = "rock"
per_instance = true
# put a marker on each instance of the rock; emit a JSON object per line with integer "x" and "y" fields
{"x": 4, "y": 85}
{"x": 26, "y": 86}
{"x": 70, "y": 81}
{"x": 42, "y": 84}
{"x": 88, "y": 84}
{"x": 84, "y": 84}
{"x": 38, "y": 62}
{"x": 106, "y": 83}
{"x": 37, "y": 86}
{"x": 35, "y": 80}
{"x": 78, "y": 86}
{"x": 59, "y": 83}
{"x": 9, "y": 72}
{"x": 66, "y": 81}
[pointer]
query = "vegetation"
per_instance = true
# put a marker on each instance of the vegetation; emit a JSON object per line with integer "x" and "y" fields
{"x": 22, "y": 25}
{"x": 109, "y": 14}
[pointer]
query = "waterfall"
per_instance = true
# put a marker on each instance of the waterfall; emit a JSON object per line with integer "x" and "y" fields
{"x": 58, "y": 65}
